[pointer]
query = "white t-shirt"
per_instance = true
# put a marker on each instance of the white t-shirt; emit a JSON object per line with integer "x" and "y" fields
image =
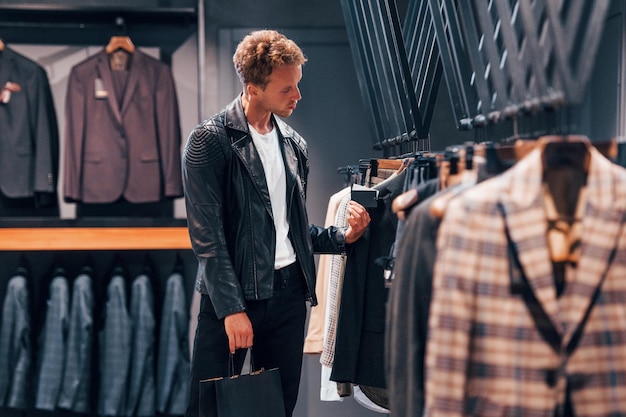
{"x": 271, "y": 156}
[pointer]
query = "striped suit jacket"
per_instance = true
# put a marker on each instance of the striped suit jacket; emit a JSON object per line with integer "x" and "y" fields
{"x": 485, "y": 354}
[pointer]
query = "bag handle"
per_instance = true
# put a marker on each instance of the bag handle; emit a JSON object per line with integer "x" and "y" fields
{"x": 231, "y": 362}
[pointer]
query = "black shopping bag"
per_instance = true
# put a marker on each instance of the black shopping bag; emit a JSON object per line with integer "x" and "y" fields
{"x": 257, "y": 394}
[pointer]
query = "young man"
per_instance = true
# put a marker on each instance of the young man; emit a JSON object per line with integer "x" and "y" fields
{"x": 245, "y": 175}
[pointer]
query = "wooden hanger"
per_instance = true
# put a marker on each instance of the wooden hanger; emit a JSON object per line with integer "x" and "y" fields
{"x": 1, "y": 45}
{"x": 389, "y": 163}
{"x": 120, "y": 42}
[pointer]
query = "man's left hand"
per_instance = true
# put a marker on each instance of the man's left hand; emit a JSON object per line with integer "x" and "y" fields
{"x": 358, "y": 219}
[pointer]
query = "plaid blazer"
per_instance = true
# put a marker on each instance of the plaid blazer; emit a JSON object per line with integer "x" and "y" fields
{"x": 485, "y": 354}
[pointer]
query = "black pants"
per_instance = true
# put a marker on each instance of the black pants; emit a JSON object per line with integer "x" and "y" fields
{"x": 278, "y": 324}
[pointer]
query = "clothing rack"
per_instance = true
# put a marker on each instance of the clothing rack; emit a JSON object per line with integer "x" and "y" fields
{"x": 504, "y": 64}
{"x": 386, "y": 77}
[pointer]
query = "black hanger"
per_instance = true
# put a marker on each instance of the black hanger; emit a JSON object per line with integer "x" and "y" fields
{"x": 59, "y": 271}
{"x": 178, "y": 264}
{"x": 87, "y": 267}
{"x": 117, "y": 267}
{"x": 497, "y": 160}
{"x": 22, "y": 267}
{"x": 572, "y": 154}
{"x": 147, "y": 268}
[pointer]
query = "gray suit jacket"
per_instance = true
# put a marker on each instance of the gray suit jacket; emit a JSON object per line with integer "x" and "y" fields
{"x": 29, "y": 137}
{"x": 76, "y": 384}
{"x": 122, "y": 146}
{"x": 53, "y": 341}
{"x": 140, "y": 401}
{"x": 15, "y": 348}
{"x": 115, "y": 350}
{"x": 173, "y": 362}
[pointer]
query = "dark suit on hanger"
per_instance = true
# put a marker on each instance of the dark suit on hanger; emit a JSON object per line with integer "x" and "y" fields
{"x": 29, "y": 137}
{"x": 407, "y": 311}
{"x": 359, "y": 349}
{"x": 122, "y": 147}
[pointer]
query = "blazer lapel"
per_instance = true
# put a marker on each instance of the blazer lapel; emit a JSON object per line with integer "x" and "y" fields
{"x": 601, "y": 230}
{"x": 525, "y": 219}
{"x": 134, "y": 75}
{"x": 104, "y": 72}
{"x": 6, "y": 66}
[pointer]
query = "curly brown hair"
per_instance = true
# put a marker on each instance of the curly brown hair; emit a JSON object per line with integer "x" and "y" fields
{"x": 260, "y": 52}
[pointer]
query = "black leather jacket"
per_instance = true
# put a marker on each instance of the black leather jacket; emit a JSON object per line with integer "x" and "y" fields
{"x": 230, "y": 217}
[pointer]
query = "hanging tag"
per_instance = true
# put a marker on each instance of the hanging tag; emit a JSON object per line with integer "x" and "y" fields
{"x": 5, "y": 96}
{"x": 99, "y": 90}
{"x": 5, "y": 92}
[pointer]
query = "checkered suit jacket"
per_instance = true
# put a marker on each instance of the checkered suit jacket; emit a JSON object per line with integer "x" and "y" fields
{"x": 53, "y": 342}
{"x": 485, "y": 355}
{"x": 140, "y": 400}
{"x": 75, "y": 392}
{"x": 173, "y": 367}
{"x": 115, "y": 344}
{"x": 15, "y": 346}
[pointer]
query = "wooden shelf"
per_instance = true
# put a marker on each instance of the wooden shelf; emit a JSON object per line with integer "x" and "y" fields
{"x": 94, "y": 238}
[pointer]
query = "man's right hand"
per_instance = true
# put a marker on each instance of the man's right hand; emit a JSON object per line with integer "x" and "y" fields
{"x": 239, "y": 331}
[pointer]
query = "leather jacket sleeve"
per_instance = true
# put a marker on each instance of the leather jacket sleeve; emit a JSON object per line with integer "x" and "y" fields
{"x": 204, "y": 165}
{"x": 330, "y": 240}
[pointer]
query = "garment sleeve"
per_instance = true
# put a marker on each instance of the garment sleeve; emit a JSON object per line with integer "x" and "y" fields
{"x": 46, "y": 136}
{"x": 451, "y": 314}
{"x": 168, "y": 127}
{"x": 204, "y": 167}
{"x": 74, "y": 125}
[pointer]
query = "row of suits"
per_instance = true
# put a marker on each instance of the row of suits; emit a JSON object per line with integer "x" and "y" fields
{"x": 482, "y": 320}
{"x": 122, "y": 133}
{"x": 123, "y": 363}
